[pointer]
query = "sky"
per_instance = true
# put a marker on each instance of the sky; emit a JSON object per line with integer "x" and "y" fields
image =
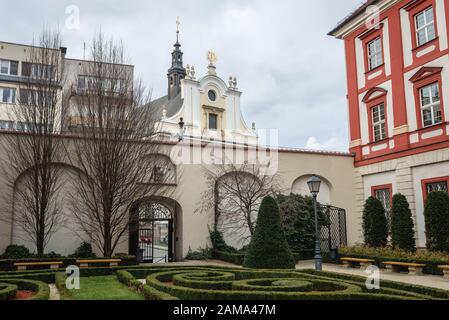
{"x": 291, "y": 73}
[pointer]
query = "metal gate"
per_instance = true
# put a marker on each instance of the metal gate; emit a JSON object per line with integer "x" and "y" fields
{"x": 151, "y": 232}
{"x": 334, "y": 234}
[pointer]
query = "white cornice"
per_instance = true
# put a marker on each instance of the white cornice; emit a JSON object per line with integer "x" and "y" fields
{"x": 360, "y": 19}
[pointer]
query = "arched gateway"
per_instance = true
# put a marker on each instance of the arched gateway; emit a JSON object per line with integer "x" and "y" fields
{"x": 152, "y": 232}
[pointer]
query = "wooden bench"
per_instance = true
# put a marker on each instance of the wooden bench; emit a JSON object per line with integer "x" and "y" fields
{"x": 350, "y": 262}
{"x": 84, "y": 263}
{"x": 445, "y": 270}
{"x": 412, "y": 268}
{"x": 24, "y": 265}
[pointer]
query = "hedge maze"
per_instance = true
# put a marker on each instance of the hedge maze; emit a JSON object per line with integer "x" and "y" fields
{"x": 213, "y": 283}
{"x": 221, "y": 283}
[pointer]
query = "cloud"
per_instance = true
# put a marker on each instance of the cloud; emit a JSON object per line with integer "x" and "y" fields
{"x": 332, "y": 143}
{"x": 291, "y": 73}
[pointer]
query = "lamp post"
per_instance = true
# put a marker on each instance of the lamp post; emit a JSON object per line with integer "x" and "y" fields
{"x": 314, "y": 186}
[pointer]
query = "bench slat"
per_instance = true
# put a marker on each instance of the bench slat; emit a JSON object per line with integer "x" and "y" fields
{"x": 99, "y": 261}
{"x": 356, "y": 260}
{"x": 404, "y": 264}
{"x": 37, "y": 263}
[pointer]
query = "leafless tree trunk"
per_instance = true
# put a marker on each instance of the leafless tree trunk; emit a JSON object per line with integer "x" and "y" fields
{"x": 116, "y": 126}
{"x": 235, "y": 193}
{"x": 33, "y": 156}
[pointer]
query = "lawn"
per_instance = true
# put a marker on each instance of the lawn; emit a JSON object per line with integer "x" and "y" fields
{"x": 103, "y": 288}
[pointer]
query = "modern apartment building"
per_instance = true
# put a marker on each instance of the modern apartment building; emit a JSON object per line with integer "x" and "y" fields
{"x": 16, "y": 70}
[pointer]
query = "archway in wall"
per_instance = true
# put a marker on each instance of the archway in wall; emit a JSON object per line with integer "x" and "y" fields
{"x": 238, "y": 195}
{"x": 154, "y": 231}
{"x": 66, "y": 235}
{"x": 299, "y": 186}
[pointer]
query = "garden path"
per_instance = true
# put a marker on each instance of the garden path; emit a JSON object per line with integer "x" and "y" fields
{"x": 425, "y": 280}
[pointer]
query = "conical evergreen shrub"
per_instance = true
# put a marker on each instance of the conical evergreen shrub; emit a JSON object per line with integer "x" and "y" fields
{"x": 402, "y": 233}
{"x": 436, "y": 214}
{"x": 375, "y": 225}
{"x": 269, "y": 248}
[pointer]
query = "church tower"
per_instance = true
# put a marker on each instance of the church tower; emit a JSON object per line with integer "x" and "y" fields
{"x": 177, "y": 72}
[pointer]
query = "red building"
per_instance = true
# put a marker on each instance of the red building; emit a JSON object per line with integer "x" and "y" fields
{"x": 397, "y": 59}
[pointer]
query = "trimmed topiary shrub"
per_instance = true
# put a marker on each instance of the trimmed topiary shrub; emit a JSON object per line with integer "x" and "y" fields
{"x": 402, "y": 233}
{"x": 269, "y": 248}
{"x": 15, "y": 251}
{"x": 436, "y": 214}
{"x": 375, "y": 224}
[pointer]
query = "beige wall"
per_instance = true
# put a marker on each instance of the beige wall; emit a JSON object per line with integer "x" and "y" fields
{"x": 192, "y": 232}
{"x": 405, "y": 175}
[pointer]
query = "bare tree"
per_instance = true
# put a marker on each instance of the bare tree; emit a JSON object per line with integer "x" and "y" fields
{"x": 235, "y": 193}
{"x": 116, "y": 125}
{"x": 33, "y": 156}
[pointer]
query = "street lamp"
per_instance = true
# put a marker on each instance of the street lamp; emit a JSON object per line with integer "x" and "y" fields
{"x": 314, "y": 186}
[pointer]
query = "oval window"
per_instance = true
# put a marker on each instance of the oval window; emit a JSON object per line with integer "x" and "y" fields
{"x": 212, "y": 95}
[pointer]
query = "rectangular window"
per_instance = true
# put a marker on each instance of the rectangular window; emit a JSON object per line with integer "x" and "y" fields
{"x": 436, "y": 186}
{"x": 213, "y": 121}
{"x": 35, "y": 70}
{"x": 6, "y": 125}
{"x": 9, "y": 67}
{"x": 81, "y": 82}
{"x": 384, "y": 194}
{"x": 375, "y": 53}
{"x": 425, "y": 26}
{"x": 379, "y": 123}
{"x": 7, "y": 95}
{"x": 430, "y": 105}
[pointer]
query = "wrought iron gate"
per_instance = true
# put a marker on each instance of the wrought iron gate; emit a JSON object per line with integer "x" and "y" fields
{"x": 334, "y": 234}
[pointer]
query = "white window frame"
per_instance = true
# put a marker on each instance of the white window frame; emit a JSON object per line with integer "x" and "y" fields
{"x": 9, "y": 67}
{"x": 425, "y": 27}
{"x": 381, "y": 123}
{"x": 12, "y": 96}
{"x": 375, "y": 57}
{"x": 432, "y": 105}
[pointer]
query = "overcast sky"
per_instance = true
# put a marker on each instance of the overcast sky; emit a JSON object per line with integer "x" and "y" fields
{"x": 291, "y": 73}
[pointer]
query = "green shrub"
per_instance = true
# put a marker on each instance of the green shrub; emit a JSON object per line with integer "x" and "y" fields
{"x": 298, "y": 221}
{"x": 41, "y": 289}
{"x": 218, "y": 242}
{"x": 52, "y": 255}
{"x": 375, "y": 225}
{"x": 231, "y": 257}
{"x": 268, "y": 248}
{"x": 15, "y": 251}
{"x": 200, "y": 254}
{"x": 125, "y": 277}
{"x": 7, "y": 291}
{"x": 402, "y": 233}
{"x": 436, "y": 214}
{"x": 84, "y": 251}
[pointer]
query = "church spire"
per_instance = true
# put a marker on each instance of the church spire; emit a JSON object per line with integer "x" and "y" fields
{"x": 177, "y": 72}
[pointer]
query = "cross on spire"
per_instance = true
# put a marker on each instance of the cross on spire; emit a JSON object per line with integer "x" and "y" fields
{"x": 177, "y": 28}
